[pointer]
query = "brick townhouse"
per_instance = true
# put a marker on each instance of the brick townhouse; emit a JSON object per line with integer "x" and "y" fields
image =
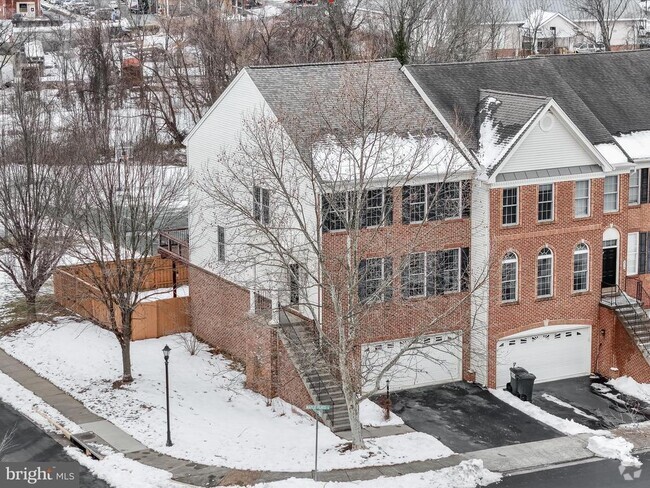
{"x": 533, "y": 250}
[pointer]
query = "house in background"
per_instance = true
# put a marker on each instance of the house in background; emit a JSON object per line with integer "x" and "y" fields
{"x": 547, "y": 214}
{"x": 28, "y": 9}
{"x": 557, "y": 27}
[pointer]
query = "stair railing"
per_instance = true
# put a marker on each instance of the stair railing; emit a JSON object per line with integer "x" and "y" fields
{"x": 640, "y": 293}
{"x": 317, "y": 385}
{"x": 613, "y": 296}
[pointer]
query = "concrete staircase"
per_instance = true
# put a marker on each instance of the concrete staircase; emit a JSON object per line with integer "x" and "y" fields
{"x": 634, "y": 318}
{"x": 323, "y": 387}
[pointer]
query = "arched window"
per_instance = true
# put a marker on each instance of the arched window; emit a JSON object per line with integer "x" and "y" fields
{"x": 509, "y": 275}
{"x": 581, "y": 267}
{"x": 545, "y": 273}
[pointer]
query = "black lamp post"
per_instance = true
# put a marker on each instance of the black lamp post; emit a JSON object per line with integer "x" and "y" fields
{"x": 166, "y": 351}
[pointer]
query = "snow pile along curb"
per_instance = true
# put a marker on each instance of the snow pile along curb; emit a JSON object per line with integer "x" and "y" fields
{"x": 566, "y": 426}
{"x": 616, "y": 448}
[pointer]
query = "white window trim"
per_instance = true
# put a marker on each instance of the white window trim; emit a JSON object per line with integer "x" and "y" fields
{"x": 581, "y": 251}
{"x": 458, "y": 270}
{"x": 539, "y": 258}
{"x": 427, "y": 203}
{"x": 618, "y": 196}
{"x": 637, "y": 200}
{"x": 632, "y": 250}
{"x": 424, "y": 273}
{"x": 588, "y": 198}
{"x": 514, "y": 260}
{"x": 552, "y": 203}
{"x": 516, "y": 222}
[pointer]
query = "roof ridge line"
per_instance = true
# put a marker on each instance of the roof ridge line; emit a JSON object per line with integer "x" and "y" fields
{"x": 526, "y": 95}
{"x": 325, "y": 63}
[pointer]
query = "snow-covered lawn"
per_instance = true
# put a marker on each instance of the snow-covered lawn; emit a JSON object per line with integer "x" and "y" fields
{"x": 566, "y": 426}
{"x": 214, "y": 419}
{"x": 372, "y": 415}
{"x": 628, "y": 386}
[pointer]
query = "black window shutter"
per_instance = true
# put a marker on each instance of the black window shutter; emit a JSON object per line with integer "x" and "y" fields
{"x": 464, "y": 269}
{"x": 388, "y": 206}
{"x": 406, "y": 207}
{"x": 325, "y": 212}
{"x": 433, "y": 201}
{"x": 363, "y": 294}
{"x": 642, "y": 252}
{"x": 466, "y": 188}
{"x": 405, "y": 276}
{"x": 388, "y": 279}
{"x": 644, "y": 185}
{"x": 266, "y": 207}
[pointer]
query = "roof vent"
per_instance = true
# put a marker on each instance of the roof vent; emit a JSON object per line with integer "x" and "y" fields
{"x": 546, "y": 124}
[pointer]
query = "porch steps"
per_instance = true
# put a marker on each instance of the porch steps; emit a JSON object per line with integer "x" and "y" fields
{"x": 323, "y": 387}
{"x": 634, "y": 318}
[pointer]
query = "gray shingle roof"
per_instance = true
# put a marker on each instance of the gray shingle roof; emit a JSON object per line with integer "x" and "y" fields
{"x": 316, "y": 99}
{"x": 510, "y": 113}
{"x": 603, "y": 93}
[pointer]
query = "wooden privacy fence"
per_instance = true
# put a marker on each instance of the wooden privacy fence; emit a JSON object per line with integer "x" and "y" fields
{"x": 73, "y": 289}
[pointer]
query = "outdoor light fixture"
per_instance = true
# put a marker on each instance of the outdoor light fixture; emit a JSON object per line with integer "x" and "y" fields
{"x": 166, "y": 351}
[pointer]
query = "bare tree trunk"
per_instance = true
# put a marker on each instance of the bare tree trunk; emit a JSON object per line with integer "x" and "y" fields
{"x": 125, "y": 344}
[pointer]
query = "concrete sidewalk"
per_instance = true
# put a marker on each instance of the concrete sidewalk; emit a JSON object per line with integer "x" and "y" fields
{"x": 508, "y": 459}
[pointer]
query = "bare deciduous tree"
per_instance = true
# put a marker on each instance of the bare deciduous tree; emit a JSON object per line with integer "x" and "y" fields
{"x": 606, "y": 14}
{"x": 123, "y": 204}
{"x": 37, "y": 194}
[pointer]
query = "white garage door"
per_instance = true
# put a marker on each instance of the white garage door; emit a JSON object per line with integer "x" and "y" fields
{"x": 550, "y": 353}
{"x": 433, "y": 359}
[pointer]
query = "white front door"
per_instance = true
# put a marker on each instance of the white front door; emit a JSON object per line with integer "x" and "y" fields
{"x": 434, "y": 359}
{"x": 550, "y": 353}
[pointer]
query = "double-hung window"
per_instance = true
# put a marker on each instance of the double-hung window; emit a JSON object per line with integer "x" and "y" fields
{"x": 221, "y": 243}
{"x": 435, "y": 273}
{"x": 581, "y": 268}
{"x": 610, "y": 203}
{"x": 510, "y": 210}
{"x": 582, "y": 199}
{"x": 634, "y": 196}
{"x": 545, "y": 203}
{"x": 377, "y": 208}
{"x": 294, "y": 283}
{"x": 509, "y": 273}
{"x": 545, "y": 273}
{"x": 261, "y": 205}
{"x": 436, "y": 201}
{"x": 414, "y": 275}
{"x": 375, "y": 280}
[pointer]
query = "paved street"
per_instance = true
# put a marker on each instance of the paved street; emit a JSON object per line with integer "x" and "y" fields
{"x": 29, "y": 443}
{"x": 597, "y": 474}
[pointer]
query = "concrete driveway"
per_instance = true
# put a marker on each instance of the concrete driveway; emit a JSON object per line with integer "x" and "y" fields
{"x": 467, "y": 418}
{"x": 585, "y": 400}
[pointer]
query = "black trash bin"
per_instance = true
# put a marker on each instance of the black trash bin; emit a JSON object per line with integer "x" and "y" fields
{"x": 514, "y": 371}
{"x": 525, "y": 382}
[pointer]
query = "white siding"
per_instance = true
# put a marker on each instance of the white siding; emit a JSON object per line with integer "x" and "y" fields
{"x": 555, "y": 148}
{"x": 480, "y": 257}
{"x": 215, "y": 157}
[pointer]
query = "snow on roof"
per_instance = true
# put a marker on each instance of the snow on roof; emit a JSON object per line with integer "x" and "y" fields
{"x": 612, "y": 153}
{"x": 495, "y": 139}
{"x": 386, "y": 157}
{"x": 636, "y": 144}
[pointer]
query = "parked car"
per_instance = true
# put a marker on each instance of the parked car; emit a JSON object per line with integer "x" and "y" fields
{"x": 589, "y": 47}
